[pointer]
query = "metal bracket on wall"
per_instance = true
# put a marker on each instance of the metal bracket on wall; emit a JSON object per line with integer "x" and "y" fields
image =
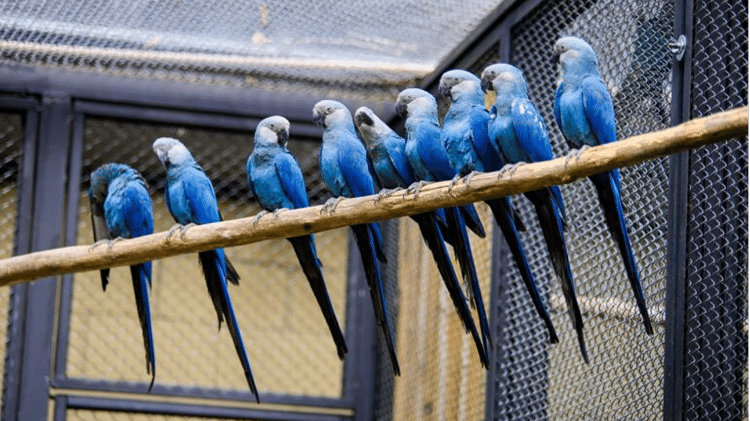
{"x": 678, "y": 46}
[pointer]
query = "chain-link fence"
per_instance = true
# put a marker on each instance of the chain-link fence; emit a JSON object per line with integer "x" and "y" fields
{"x": 716, "y": 288}
{"x": 11, "y": 144}
{"x": 281, "y": 325}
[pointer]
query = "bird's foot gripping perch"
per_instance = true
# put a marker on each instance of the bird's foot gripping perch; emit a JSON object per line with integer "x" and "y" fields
{"x": 509, "y": 169}
{"x": 182, "y": 228}
{"x": 331, "y": 204}
{"x": 259, "y": 215}
{"x": 576, "y": 153}
{"x": 384, "y": 193}
{"x": 453, "y": 183}
{"x": 414, "y": 188}
{"x": 109, "y": 243}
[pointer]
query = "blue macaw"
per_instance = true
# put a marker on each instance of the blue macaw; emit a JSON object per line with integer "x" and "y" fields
{"x": 387, "y": 151}
{"x": 585, "y": 114}
{"x": 121, "y": 208}
{"x": 344, "y": 167}
{"x": 277, "y": 182}
{"x": 519, "y": 134}
{"x": 191, "y": 199}
{"x": 465, "y": 129}
{"x": 429, "y": 160}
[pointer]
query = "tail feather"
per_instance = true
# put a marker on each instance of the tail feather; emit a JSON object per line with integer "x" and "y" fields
{"x": 218, "y": 278}
{"x": 466, "y": 262}
{"x": 304, "y": 247}
{"x": 609, "y": 197}
{"x": 104, "y": 274}
{"x": 550, "y": 220}
{"x": 207, "y": 261}
{"x": 378, "y": 241}
{"x": 505, "y": 217}
{"x": 367, "y": 250}
{"x": 141, "y": 276}
{"x": 472, "y": 221}
{"x": 430, "y": 229}
{"x": 232, "y": 275}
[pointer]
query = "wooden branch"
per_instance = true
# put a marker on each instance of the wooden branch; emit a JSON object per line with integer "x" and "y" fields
{"x": 689, "y": 135}
{"x": 610, "y": 306}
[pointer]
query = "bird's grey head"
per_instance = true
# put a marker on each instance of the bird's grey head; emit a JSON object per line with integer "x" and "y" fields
{"x": 503, "y": 78}
{"x": 370, "y": 126}
{"x": 458, "y": 83}
{"x": 328, "y": 112}
{"x": 171, "y": 151}
{"x": 575, "y": 52}
{"x": 272, "y": 130}
{"x": 102, "y": 177}
{"x": 413, "y": 99}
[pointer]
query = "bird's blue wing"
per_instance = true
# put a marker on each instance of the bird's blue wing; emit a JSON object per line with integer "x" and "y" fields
{"x": 600, "y": 113}
{"x": 396, "y": 147}
{"x": 352, "y": 160}
{"x": 483, "y": 146}
{"x": 291, "y": 180}
{"x": 201, "y": 199}
{"x": 138, "y": 212}
{"x": 529, "y": 128}
{"x": 558, "y": 117}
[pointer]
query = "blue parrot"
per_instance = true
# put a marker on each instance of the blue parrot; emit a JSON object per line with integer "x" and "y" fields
{"x": 344, "y": 167}
{"x": 585, "y": 114}
{"x": 429, "y": 160}
{"x": 121, "y": 208}
{"x": 388, "y": 156}
{"x": 470, "y": 150}
{"x": 518, "y": 131}
{"x": 191, "y": 199}
{"x": 277, "y": 182}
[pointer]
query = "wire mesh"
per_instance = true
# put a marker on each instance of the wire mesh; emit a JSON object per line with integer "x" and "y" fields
{"x": 623, "y": 381}
{"x": 305, "y": 45}
{"x": 11, "y": 143}
{"x": 716, "y": 347}
{"x": 281, "y": 324}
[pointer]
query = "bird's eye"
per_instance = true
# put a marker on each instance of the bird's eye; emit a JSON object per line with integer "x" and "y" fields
{"x": 329, "y": 110}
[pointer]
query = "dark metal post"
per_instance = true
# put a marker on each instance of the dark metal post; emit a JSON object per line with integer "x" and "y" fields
{"x": 49, "y": 202}
{"x": 677, "y": 225}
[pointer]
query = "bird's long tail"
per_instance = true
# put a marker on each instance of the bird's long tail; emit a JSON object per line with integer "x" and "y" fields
{"x": 377, "y": 238}
{"x": 472, "y": 221}
{"x": 466, "y": 262}
{"x": 141, "y": 275}
{"x": 431, "y": 233}
{"x": 506, "y": 220}
{"x": 609, "y": 197}
{"x": 550, "y": 219}
{"x": 217, "y": 284}
{"x": 367, "y": 250}
{"x": 304, "y": 247}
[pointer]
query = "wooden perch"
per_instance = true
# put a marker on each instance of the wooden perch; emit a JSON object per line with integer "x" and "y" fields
{"x": 527, "y": 177}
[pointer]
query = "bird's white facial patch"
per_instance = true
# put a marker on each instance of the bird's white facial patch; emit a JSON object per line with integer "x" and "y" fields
{"x": 267, "y": 136}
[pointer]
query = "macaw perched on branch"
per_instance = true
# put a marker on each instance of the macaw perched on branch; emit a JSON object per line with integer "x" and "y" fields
{"x": 344, "y": 167}
{"x": 586, "y": 117}
{"x": 121, "y": 208}
{"x": 277, "y": 182}
{"x": 191, "y": 200}
{"x": 387, "y": 151}
{"x": 430, "y": 162}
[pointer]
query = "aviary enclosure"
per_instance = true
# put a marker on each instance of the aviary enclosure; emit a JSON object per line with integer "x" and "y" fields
{"x": 84, "y": 83}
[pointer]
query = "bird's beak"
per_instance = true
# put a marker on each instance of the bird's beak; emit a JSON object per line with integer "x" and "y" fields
{"x": 319, "y": 119}
{"x": 487, "y": 84}
{"x": 445, "y": 91}
{"x": 363, "y": 118}
{"x": 401, "y": 109}
{"x": 283, "y": 137}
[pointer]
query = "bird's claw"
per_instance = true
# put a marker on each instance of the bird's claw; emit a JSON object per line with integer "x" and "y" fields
{"x": 331, "y": 204}
{"x": 97, "y": 244}
{"x": 182, "y": 228}
{"x": 469, "y": 176}
{"x": 576, "y": 153}
{"x": 276, "y": 212}
{"x": 453, "y": 183}
{"x": 259, "y": 215}
{"x": 415, "y": 188}
{"x": 384, "y": 193}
